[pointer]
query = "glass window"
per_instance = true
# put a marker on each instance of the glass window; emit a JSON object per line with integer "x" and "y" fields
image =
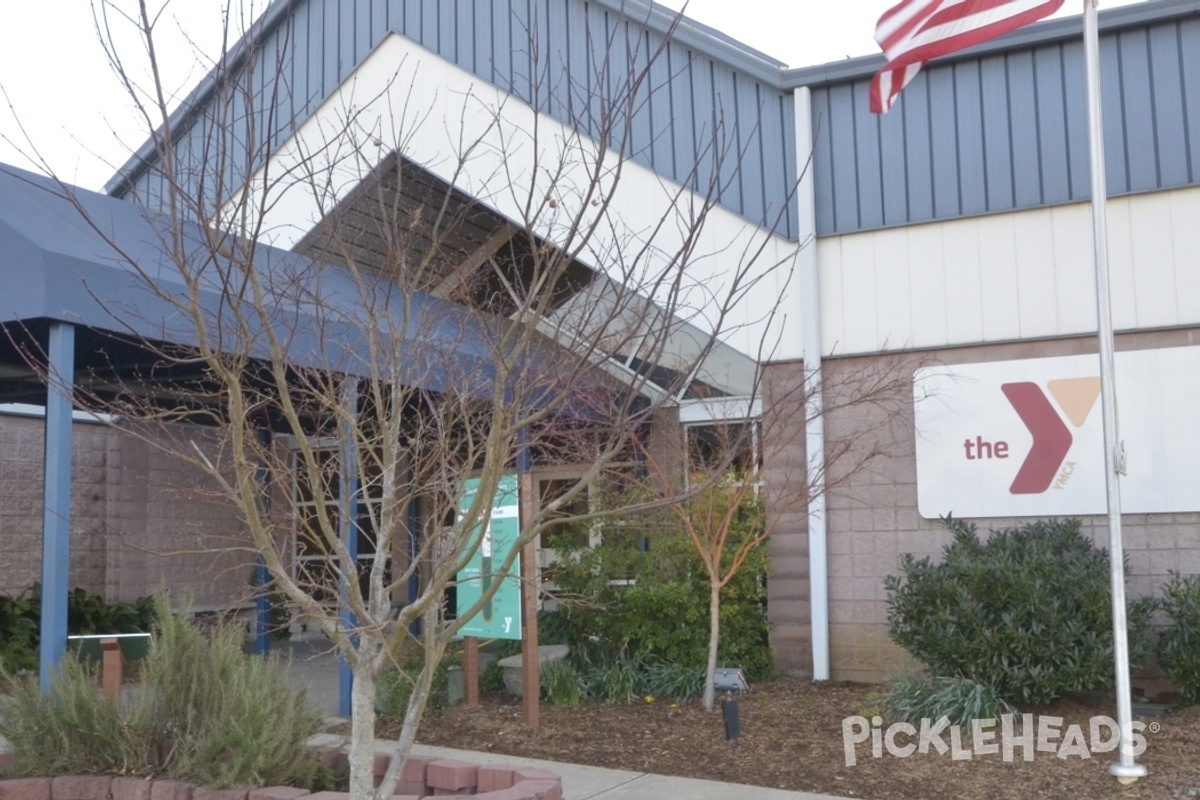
{"x": 724, "y": 446}
{"x": 312, "y": 560}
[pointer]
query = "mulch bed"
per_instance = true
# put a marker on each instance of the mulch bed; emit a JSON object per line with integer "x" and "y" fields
{"x": 792, "y": 739}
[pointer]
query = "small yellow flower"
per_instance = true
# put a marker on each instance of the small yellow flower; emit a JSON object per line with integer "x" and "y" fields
{"x": 649, "y": 699}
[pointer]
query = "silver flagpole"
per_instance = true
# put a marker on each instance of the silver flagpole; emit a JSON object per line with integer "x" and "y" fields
{"x": 1126, "y": 769}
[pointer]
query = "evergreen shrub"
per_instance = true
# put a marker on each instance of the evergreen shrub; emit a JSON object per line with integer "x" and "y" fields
{"x": 1179, "y": 645}
{"x": 1026, "y": 611}
{"x": 206, "y": 713}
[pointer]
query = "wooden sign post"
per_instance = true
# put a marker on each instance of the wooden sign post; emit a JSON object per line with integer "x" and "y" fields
{"x": 530, "y": 663}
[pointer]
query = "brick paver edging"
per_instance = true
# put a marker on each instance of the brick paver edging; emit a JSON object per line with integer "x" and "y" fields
{"x": 422, "y": 777}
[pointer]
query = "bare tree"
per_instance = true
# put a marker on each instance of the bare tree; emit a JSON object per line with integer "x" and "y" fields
{"x": 455, "y": 317}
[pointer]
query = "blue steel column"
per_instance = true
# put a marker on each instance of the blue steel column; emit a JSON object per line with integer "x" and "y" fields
{"x": 348, "y": 533}
{"x": 56, "y": 520}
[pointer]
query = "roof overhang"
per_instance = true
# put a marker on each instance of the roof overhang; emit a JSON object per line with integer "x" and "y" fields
{"x": 409, "y": 107}
{"x": 106, "y": 265}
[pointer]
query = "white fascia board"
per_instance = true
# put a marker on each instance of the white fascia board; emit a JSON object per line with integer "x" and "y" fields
{"x": 77, "y": 415}
{"x": 526, "y": 165}
{"x": 719, "y": 409}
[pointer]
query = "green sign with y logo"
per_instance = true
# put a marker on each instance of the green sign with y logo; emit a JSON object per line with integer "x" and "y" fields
{"x": 500, "y": 617}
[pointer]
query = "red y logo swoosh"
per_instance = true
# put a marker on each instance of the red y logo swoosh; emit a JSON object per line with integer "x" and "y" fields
{"x": 1051, "y": 439}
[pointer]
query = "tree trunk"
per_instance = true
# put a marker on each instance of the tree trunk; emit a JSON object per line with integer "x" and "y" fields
{"x": 714, "y": 634}
{"x": 417, "y": 701}
{"x": 362, "y": 736}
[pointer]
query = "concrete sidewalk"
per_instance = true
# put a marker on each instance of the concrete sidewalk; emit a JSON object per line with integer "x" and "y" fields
{"x": 585, "y": 783}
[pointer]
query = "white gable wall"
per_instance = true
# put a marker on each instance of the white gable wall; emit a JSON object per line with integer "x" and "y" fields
{"x": 499, "y": 150}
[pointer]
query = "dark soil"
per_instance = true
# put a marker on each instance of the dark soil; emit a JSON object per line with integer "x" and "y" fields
{"x": 792, "y": 739}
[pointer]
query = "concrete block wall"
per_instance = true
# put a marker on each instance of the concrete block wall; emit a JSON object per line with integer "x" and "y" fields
{"x": 21, "y": 476}
{"x": 141, "y": 518}
{"x": 784, "y": 457}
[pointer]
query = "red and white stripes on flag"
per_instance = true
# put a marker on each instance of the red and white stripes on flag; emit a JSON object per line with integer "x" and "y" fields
{"x": 915, "y": 31}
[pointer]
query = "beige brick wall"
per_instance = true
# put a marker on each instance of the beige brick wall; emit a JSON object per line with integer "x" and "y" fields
{"x": 21, "y": 468}
{"x": 140, "y": 518}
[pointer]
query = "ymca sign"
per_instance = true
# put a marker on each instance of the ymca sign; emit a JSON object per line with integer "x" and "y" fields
{"x": 1025, "y": 438}
{"x": 500, "y": 617}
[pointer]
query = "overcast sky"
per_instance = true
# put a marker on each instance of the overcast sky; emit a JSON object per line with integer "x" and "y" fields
{"x": 60, "y": 93}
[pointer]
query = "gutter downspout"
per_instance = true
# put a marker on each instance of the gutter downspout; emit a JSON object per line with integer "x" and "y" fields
{"x": 814, "y": 429}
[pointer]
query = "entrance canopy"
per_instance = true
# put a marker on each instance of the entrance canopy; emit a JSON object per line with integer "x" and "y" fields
{"x": 95, "y": 293}
{"x": 107, "y": 267}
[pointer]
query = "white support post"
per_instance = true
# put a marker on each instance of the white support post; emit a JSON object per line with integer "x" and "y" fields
{"x": 814, "y": 430}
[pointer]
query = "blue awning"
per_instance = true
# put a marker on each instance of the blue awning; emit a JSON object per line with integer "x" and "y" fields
{"x": 76, "y": 256}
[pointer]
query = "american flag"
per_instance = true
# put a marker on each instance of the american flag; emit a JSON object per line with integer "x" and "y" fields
{"x": 915, "y": 31}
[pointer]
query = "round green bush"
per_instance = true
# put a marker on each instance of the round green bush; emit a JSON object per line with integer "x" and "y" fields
{"x": 1027, "y": 611}
{"x": 1179, "y": 645}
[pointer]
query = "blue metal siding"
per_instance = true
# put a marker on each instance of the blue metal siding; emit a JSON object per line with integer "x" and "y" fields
{"x": 841, "y": 119}
{"x": 997, "y": 134}
{"x": 724, "y": 101}
{"x": 705, "y": 130}
{"x": 683, "y": 137}
{"x": 691, "y": 95}
{"x": 1055, "y": 166}
{"x": 826, "y": 191}
{"x": 1116, "y": 163}
{"x": 970, "y": 170}
{"x": 637, "y": 49}
{"x": 786, "y": 212}
{"x": 1023, "y": 127}
{"x": 943, "y": 141}
{"x": 918, "y": 155}
{"x": 893, "y": 166}
{"x": 1008, "y": 130}
{"x": 1189, "y": 56}
{"x": 1166, "y": 81}
{"x": 870, "y": 166}
{"x": 778, "y": 125}
{"x": 1142, "y": 156}
{"x": 662, "y": 143}
{"x": 1075, "y": 75}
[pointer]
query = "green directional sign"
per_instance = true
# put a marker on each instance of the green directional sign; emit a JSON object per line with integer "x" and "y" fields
{"x": 500, "y": 617}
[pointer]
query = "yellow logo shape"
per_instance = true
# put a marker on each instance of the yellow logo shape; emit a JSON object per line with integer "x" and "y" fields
{"x": 1076, "y": 397}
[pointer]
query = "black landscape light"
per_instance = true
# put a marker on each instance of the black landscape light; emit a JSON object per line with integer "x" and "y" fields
{"x": 730, "y": 680}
